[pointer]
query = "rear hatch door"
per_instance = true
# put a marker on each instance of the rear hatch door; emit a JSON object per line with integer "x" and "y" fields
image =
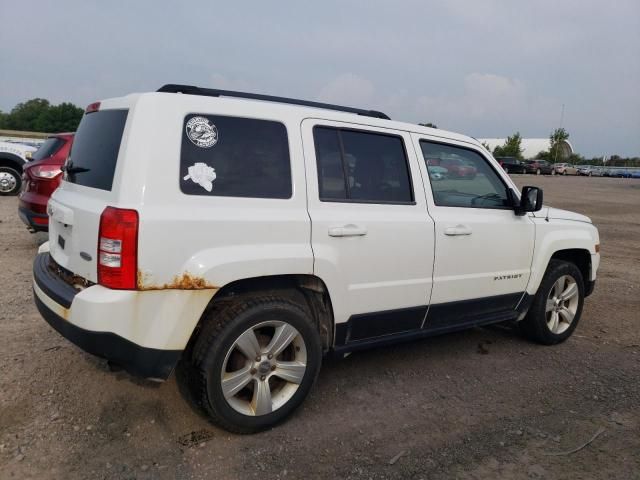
{"x": 88, "y": 187}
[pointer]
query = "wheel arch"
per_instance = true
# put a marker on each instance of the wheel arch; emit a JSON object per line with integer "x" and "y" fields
{"x": 307, "y": 290}
{"x": 580, "y": 257}
{"x": 11, "y": 160}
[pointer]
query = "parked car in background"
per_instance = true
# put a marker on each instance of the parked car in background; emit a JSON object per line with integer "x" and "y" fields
{"x": 457, "y": 168}
{"x": 13, "y": 156}
{"x": 437, "y": 173}
{"x": 635, "y": 174}
{"x": 511, "y": 164}
{"x": 590, "y": 171}
{"x": 40, "y": 178}
{"x": 621, "y": 173}
{"x": 539, "y": 167}
{"x": 565, "y": 169}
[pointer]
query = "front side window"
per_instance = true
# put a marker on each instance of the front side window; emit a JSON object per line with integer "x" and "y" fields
{"x": 462, "y": 178}
{"x": 234, "y": 157}
{"x": 359, "y": 166}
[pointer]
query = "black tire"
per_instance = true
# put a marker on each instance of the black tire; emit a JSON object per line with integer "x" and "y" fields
{"x": 204, "y": 363}
{"x": 534, "y": 325}
{"x": 11, "y": 185}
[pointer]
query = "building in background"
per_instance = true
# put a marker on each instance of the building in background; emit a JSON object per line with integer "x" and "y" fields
{"x": 531, "y": 147}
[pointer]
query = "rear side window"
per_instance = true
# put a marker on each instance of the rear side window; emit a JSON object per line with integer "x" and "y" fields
{"x": 94, "y": 154}
{"x": 234, "y": 157}
{"x": 48, "y": 148}
{"x": 359, "y": 166}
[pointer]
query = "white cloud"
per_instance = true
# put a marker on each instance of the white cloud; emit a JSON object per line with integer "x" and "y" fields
{"x": 223, "y": 82}
{"x": 488, "y": 99}
{"x": 348, "y": 89}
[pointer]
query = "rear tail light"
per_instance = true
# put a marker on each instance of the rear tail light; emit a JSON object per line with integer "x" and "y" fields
{"x": 118, "y": 248}
{"x": 45, "y": 171}
{"x": 92, "y": 107}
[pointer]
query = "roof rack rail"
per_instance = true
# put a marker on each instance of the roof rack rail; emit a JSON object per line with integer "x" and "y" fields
{"x": 212, "y": 92}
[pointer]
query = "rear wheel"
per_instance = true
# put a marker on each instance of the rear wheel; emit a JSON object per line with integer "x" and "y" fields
{"x": 254, "y": 363}
{"x": 10, "y": 181}
{"x": 557, "y": 306}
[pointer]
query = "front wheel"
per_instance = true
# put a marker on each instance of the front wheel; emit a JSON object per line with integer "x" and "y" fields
{"x": 254, "y": 363}
{"x": 557, "y": 306}
{"x": 10, "y": 181}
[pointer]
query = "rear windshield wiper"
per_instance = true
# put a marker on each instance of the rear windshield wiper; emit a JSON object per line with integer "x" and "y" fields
{"x": 70, "y": 169}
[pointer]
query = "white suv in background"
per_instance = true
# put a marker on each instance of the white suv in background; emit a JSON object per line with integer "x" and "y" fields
{"x": 13, "y": 156}
{"x": 240, "y": 237}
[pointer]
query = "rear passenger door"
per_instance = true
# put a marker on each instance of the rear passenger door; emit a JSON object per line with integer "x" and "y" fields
{"x": 483, "y": 250}
{"x": 372, "y": 237}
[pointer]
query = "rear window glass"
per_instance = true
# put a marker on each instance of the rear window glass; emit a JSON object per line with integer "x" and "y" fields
{"x": 92, "y": 162}
{"x": 48, "y": 148}
{"x": 234, "y": 157}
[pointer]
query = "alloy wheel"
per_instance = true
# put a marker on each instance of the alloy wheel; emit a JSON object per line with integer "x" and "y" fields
{"x": 263, "y": 368}
{"x": 562, "y": 304}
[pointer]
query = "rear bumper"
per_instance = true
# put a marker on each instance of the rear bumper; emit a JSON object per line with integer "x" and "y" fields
{"x": 55, "y": 300}
{"x": 35, "y": 222}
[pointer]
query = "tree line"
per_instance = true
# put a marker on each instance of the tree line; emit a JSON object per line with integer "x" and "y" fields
{"x": 39, "y": 115}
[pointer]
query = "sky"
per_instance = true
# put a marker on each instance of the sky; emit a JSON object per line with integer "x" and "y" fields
{"x": 485, "y": 69}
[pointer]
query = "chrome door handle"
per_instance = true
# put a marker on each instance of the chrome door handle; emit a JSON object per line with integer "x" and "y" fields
{"x": 349, "y": 230}
{"x": 457, "y": 230}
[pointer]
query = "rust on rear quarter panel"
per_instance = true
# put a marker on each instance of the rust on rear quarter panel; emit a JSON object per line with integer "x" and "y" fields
{"x": 186, "y": 281}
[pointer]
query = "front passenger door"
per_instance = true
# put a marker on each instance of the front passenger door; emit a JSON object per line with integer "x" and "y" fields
{"x": 483, "y": 250}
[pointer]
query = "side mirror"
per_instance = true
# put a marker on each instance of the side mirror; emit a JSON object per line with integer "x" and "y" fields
{"x": 530, "y": 200}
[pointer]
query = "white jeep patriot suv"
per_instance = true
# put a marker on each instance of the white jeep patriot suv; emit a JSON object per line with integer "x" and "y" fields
{"x": 240, "y": 237}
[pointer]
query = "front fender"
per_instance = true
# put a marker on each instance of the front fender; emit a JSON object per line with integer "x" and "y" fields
{"x": 555, "y": 235}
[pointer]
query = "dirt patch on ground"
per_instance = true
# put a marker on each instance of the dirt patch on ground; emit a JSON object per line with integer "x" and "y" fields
{"x": 478, "y": 404}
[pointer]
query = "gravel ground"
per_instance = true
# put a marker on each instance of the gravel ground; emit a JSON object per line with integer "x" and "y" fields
{"x": 479, "y": 404}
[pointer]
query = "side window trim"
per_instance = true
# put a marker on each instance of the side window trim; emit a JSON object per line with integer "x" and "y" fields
{"x": 339, "y": 130}
{"x": 469, "y": 148}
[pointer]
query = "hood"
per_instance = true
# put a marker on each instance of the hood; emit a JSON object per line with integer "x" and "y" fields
{"x": 559, "y": 214}
{"x": 16, "y": 148}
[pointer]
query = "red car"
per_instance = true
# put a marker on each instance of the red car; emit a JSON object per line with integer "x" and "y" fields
{"x": 458, "y": 168}
{"x": 40, "y": 178}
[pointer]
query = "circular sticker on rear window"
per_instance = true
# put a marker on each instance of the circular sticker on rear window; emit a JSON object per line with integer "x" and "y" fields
{"x": 202, "y": 132}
